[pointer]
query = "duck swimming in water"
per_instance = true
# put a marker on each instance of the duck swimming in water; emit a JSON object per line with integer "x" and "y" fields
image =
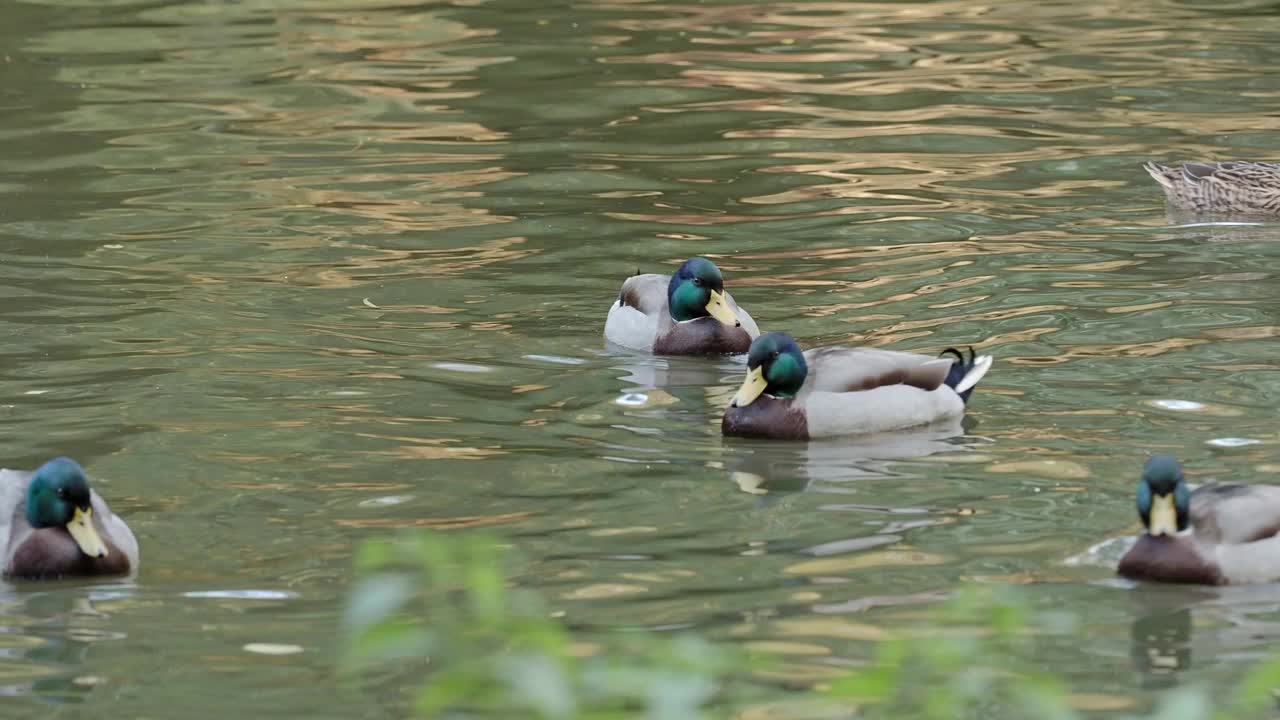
{"x": 794, "y": 395}
{"x": 1246, "y": 188}
{"x": 688, "y": 313}
{"x": 1216, "y": 534}
{"x": 52, "y": 524}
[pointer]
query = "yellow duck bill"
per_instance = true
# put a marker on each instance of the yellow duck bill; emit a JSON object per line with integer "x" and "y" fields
{"x": 720, "y": 310}
{"x": 751, "y": 388}
{"x": 83, "y": 532}
{"x": 1163, "y": 519}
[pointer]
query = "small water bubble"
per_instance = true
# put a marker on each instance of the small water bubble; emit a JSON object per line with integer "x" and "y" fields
{"x": 633, "y": 400}
{"x": 1232, "y": 442}
{"x": 273, "y": 648}
{"x": 241, "y": 594}
{"x": 385, "y": 501}
{"x": 556, "y": 359}
{"x": 1185, "y": 405}
{"x": 462, "y": 367}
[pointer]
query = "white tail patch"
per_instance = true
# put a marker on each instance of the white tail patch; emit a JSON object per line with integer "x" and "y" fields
{"x": 981, "y": 365}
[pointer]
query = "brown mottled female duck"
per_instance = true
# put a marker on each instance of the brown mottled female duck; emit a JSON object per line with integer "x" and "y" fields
{"x": 1220, "y": 534}
{"x": 1247, "y": 188}
{"x": 53, "y": 525}
{"x": 794, "y": 395}
{"x": 688, "y": 313}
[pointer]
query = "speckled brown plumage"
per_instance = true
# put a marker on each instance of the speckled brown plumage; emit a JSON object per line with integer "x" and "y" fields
{"x": 1240, "y": 187}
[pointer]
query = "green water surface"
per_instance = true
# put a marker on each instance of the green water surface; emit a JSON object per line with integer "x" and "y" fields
{"x": 288, "y": 275}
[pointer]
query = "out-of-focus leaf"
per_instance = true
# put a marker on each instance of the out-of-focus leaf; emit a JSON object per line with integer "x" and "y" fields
{"x": 1044, "y": 700}
{"x": 374, "y": 555}
{"x": 673, "y": 696}
{"x": 375, "y": 598}
{"x": 867, "y": 685}
{"x": 540, "y": 682}
{"x": 1184, "y": 703}
{"x": 486, "y": 586}
{"x": 1257, "y": 687}
{"x": 452, "y": 688}
{"x": 389, "y": 641}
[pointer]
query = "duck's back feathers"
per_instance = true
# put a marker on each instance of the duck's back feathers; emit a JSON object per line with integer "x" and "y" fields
{"x": 867, "y": 390}
{"x": 635, "y": 319}
{"x": 646, "y": 293}
{"x": 1224, "y": 187}
{"x": 881, "y": 409}
{"x": 842, "y": 369}
{"x": 1233, "y": 513}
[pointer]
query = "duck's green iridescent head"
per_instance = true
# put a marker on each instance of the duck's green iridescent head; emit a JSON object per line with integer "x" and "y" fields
{"x": 1164, "y": 500}
{"x": 58, "y": 496}
{"x": 775, "y": 365}
{"x": 696, "y": 290}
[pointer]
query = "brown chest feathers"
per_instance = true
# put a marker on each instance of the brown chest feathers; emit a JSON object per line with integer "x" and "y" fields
{"x": 49, "y": 553}
{"x": 704, "y": 336}
{"x": 767, "y": 417}
{"x": 1168, "y": 559}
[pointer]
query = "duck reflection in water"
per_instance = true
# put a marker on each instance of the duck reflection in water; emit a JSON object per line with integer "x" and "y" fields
{"x": 771, "y": 468}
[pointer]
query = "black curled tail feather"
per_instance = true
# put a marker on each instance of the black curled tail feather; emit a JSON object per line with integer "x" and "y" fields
{"x": 959, "y": 368}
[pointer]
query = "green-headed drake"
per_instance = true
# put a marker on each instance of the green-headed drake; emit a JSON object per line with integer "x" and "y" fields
{"x": 794, "y": 395}
{"x": 1250, "y": 188}
{"x": 688, "y": 313}
{"x": 1218, "y": 534}
{"x": 53, "y": 525}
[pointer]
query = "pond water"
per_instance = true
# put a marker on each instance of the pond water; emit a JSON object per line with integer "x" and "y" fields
{"x": 288, "y": 275}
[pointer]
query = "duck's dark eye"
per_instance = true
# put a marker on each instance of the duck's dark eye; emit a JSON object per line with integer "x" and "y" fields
{"x": 697, "y": 281}
{"x": 62, "y": 493}
{"x": 776, "y": 353}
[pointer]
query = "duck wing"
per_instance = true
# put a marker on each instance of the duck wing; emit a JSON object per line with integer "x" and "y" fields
{"x": 13, "y": 526}
{"x": 1233, "y": 513}
{"x": 646, "y": 293}
{"x": 858, "y": 369}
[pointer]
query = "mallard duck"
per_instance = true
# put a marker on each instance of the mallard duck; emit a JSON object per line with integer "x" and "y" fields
{"x": 794, "y": 395}
{"x": 1218, "y": 534}
{"x": 1225, "y": 187}
{"x": 53, "y": 525}
{"x": 688, "y": 313}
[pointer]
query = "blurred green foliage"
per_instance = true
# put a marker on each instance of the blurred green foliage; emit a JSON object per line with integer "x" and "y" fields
{"x": 488, "y": 648}
{"x": 494, "y": 649}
